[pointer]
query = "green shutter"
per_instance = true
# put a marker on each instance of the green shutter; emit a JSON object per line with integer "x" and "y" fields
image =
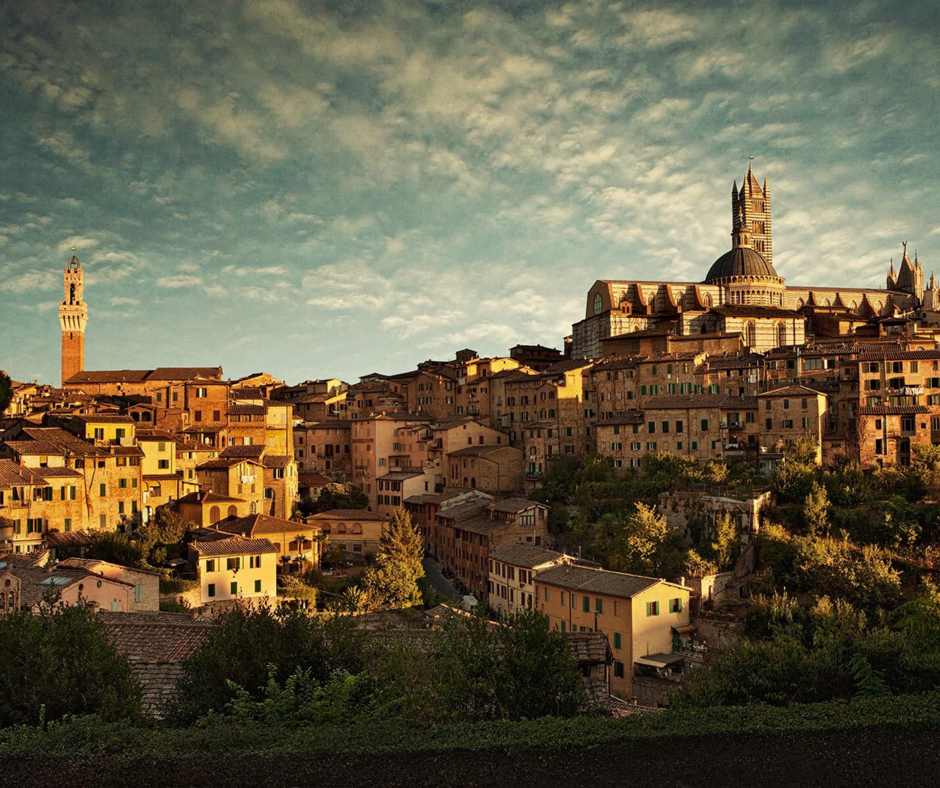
{"x": 233, "y": 588}
{"x": 211, "y": 589}
{"x": 257, "y": 586}
{"x": 617, "y": 641}
{"x": 586, "y": 604}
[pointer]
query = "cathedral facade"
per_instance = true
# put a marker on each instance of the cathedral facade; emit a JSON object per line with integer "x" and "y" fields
{"x": 742, "y": 293}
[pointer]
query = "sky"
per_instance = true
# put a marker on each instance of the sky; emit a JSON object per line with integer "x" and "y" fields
{"x": 336, "y": 188}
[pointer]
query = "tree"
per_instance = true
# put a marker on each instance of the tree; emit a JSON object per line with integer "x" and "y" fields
{"x": 637, "y": 541}
{"x": 726, "y": 544}
{"x": 391, "y": 583}
{"x": 60, "y": 663}
{"x": 116, "y": 548}
{"x": 341, "y": 496}
{"x": 816, "y": 510}
{"x": 6, "y": 391}
{"x": 246, "y": 648}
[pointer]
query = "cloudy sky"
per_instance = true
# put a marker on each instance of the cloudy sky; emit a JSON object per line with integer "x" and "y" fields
{"x": 335, "y": 188}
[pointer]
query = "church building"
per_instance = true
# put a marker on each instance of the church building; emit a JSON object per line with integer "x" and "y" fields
{"x": 742, "y": 293}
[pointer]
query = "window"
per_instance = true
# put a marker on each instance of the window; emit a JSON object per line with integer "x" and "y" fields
{"x": 598, "y": 304}
{"x": 704, "y": 425}
{"x": 232, "y": 563}
{"x": 618, "y": 670}
{"x": 652, "y": 608}
{"x": 210, "y": 565}
{"x": 675, "y": 605}
{"x": 617, "y": 640}
{"x": 102, "y": 490}
{"x": 210, "y": 590}
{"x": 233, "y": 588}
{"x": 68, "y": 524}
{"x": 586, "y": 604}
{"x": 122, "y": 484}
{"x": 202, "y": 393}
{"x": 599, "y": 606}
{"x": 257, "y": 586}
{"x": 139, "y": 592}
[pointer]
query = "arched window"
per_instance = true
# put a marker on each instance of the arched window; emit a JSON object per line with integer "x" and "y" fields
{"x": 72, "y": 293}
{"x": 598, "y": 304}
{"x": 473, "y": 482}
{"x": 782, "y": 334}
{"x": 233, "y": 511}
{"x": 214, "y": 514}
{"x": 253, "y": 509}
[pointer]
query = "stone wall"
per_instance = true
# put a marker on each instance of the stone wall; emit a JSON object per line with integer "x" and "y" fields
{"x": 680, "y": 508}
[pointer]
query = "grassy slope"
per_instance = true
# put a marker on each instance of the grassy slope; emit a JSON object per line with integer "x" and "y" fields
{"x": 878, "y": 742}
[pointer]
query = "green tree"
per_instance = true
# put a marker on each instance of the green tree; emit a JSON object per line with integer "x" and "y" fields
{"x": 60, "y": 663}
{"x": 816, "y": 510}
{"x": 6, "y": 391}
{"x": 638, "y": 540}
{"x": 391, "y": 583}
{"x": 341, "y": 496}
{"x": 726, "y": 544}
{"x": 117, "y": 548}
{"x": 244, "y": 645}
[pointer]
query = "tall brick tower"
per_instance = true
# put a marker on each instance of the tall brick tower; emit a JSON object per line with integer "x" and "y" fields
{"x": 73, "y": 316}
{"x": 752, "y": 204}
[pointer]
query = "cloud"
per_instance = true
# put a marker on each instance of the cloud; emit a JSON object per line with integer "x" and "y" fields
{"x": 124, "y": 301}
{"x": 76, "y": 242}
{"x": 29, "y": 281}
{"x": 178, "y": 281}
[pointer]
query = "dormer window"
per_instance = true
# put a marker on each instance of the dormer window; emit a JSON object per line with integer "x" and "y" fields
{"x": 598, "y": 304}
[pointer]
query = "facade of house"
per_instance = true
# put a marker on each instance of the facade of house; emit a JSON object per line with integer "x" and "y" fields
{"x": 639, "y": 615}
{"x": 233, "y": 569}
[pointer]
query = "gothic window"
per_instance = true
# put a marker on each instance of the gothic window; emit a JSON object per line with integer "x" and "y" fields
{"x": 72, "y": 293}
{"x": 782, "y": 334}
{"x": 749, "y": 334}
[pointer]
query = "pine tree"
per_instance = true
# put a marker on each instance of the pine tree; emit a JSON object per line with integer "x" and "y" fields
{"x": 392, "y": 582}
{"x": 816, "y": 510}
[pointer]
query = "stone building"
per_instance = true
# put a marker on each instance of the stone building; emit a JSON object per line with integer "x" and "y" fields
{"x": 741, "y": 293}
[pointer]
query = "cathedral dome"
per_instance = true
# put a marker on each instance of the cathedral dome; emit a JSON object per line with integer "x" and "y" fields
{"x": 740, "y": 261}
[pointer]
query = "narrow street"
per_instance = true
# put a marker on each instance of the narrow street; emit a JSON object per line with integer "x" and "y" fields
{"x": 432, "y": 570}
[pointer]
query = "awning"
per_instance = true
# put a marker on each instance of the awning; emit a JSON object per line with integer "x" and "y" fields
{"x": 659, "y": 660}
{"x": 685, "y": 629}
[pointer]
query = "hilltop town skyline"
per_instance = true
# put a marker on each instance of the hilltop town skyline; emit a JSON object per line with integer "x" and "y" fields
{"x": 424, "y": 178}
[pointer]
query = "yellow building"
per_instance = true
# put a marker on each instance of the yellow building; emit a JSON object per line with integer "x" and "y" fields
{"x": 278, "y": 423}
{"x": 105, "y": 428}
{"x": 232, "y": 569}
{"x": 354, "y": 531}
{"x": 639, "y": 615}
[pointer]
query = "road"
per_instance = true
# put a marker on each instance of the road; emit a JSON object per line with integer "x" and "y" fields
{"x": 432, "y": 571}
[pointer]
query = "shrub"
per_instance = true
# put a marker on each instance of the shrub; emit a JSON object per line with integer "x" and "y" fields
{"x": 245, "y": 644}
{"x": 61, "y": 663}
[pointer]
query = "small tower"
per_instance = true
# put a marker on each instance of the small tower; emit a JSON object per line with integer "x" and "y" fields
{"x": 752, "y": 204}
{"x": 910, "y": 277}
{"x": 892, "y": 282}
{"x": 73, "y": 316}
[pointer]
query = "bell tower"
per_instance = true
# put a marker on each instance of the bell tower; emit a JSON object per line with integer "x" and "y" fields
{"x": 751, "y": 206}
{"x": 73, "y": 316}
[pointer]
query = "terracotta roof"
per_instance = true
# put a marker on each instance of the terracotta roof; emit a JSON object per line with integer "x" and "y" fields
{"x": 276, "y": 461}
{"x": 524, "y": 554}
{"x": 312, "y": 479}
{"x": 13, "y": 474}
{"x": 66, "y": 538}
{"x": 472, "y": 451}
{"x": 255, "y": 524}
{"x": 756, "y": 311}
{"x": 104, "y": 418}
{"x": 513, "y": 505}
{"x": 899, "y": 355}
{"x": 892, "y": 410}
{"x": 700, "y": 401}
{"x": 252, "y": 451}
{"x": 185, "y": 373}
{"x": 246, "y": 410}
{"x": 208, "y": 497}
{"x": 589, "y": 647}
{"x": 790, "y": 391}
{"x": 110, "y": 376}
{"x": 464, "y": 510}
{"x": 347, "y": 514}
{"x": 599, "y": 581}
{"x": 233, "y": 546}
{"x": 57, "y": 473}
{"x": 400, "y": 476}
